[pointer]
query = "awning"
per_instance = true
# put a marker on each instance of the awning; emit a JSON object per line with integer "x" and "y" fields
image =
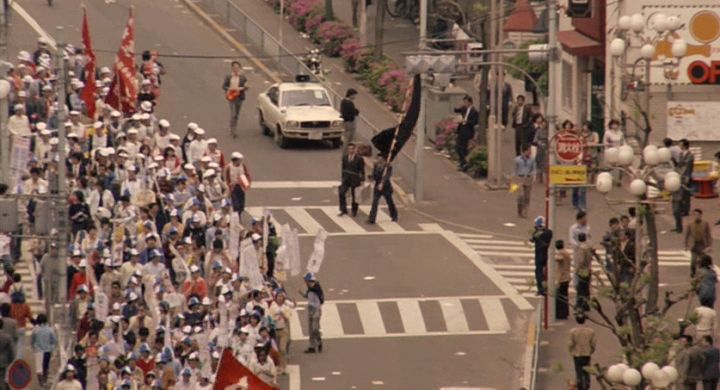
{"x": 579, "y": 44}
{"x": 522, "y": 18}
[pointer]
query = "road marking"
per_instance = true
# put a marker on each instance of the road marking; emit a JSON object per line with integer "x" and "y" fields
{"x": 452, "y": 311}
{"x": 470, "y": 236}
{"x": 495, "y": 315}
{"x": 293, "y": 371}
{"x": 371, "y": 319}
{"x": 411, "y": 316}
{"x": 330, "y": 322}
{"x": 384, "y": 221}
{"x": 295, "y": 327}
{"x": 271, "y": 185}
{"x": 34, "y": 24}
{"x": 304, "y": 219}
{"x": 346, "y": 223}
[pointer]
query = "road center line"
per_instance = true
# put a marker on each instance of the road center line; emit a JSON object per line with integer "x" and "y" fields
{"x": 34, "y": 24}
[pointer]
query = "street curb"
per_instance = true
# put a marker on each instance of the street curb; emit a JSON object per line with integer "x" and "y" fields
{"x": 531, "y": 346}
{"x": 230, "y": 39}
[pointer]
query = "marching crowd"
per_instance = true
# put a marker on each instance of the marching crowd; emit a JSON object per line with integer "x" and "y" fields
{"x": 163, "y": 274}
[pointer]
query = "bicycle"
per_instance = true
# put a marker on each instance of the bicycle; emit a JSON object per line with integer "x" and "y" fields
{"x": 401, "y": 9}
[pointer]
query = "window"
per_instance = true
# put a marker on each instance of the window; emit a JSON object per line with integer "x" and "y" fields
{"x": 567, "y": 80}
{"x": 273, "y": 95}
{"x": 306, "y": 97}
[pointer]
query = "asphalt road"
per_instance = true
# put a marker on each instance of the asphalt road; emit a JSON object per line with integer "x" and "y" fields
{"x": 410, "y": 305}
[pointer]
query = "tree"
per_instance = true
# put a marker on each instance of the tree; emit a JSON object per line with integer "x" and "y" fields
{"x": 379, "y": 32}
{"x": 329, "y": 14}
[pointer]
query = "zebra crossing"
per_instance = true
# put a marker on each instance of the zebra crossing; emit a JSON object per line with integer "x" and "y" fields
{"x": 514, "y": 259}
{"x": 406, "y": 317}
{"x": 309, "y": 219}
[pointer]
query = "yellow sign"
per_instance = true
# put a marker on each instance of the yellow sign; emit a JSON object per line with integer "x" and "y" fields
{"x": 568, "y": 174}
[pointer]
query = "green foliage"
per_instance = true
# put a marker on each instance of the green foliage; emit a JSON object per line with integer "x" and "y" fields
{"x": 522, "y": 61}
{"x": 478, "y": 162}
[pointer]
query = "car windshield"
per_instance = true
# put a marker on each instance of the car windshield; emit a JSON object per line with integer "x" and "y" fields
{"x": 307, "y": 97}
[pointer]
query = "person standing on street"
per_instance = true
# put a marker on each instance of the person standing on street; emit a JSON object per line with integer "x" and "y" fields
{"x": 580, "y": 226}
{"x": 685, "y": 165}
{"x": 238, "y": 181}
{"x": 582, "y": 346}
{"x": 698, "y": 240}
{"x": 349, "y": 113}
{"x": 564, "y": 261}
{"x": 465, "y": 130}
{"x": 690, "y": 363}
{"x": 521, "y": 123}
{"x": 542, "y": 238}
{"x": 316, "y": 298}
{"x": 352, "y": 176}
{"x": 525, "y": 174}
{"x": 541, "y": 142}
{"x": 382, "y": 171}
{"x": 234, "y": 86}
{"x": 7, "y": 354}
{"x": 711, "y": 372}
{"x": 583, "y": 258}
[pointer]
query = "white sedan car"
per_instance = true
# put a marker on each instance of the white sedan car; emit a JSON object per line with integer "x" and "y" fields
{"x": 299, "y": 110}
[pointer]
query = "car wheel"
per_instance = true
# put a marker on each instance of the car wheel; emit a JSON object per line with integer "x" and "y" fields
{"x": 263, "y": 125}
{"x": 337, "y": 142}
{"x": 280, "y": 139}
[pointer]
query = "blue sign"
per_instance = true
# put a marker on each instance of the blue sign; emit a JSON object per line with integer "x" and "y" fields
{"x": 19, "y": 374}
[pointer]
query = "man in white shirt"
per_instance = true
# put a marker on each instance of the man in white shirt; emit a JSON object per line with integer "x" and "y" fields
{"x": 705, "y": 321}
{"x": 130, "y": 267}
{"x": 100, "y": 197}
{"x": 19, "y": 124}
{"x": 131, "y": 185}
{"x": 580, "y": 226}
{"x": 197, "y": 147}
{"x": 162, "y": 137}
{"x": 42, "y": 142}
{"x": 132, "y": 145}
{"x": 78, "y": 128}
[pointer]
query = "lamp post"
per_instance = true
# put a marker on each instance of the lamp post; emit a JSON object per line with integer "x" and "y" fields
{"x": 659, "y": 378}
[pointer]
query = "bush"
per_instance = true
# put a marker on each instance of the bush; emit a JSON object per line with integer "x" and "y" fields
{"x": 275, "y": 4}
{"x": 445, "y": 134}
{"x": 300, "y": 10}
{"x": 351, "y": 51}
{"x": 312, "y": 26}
{"x": 331, "y": 37}
{"x": 393, "y": 85}
{"x": 477, "y": 162}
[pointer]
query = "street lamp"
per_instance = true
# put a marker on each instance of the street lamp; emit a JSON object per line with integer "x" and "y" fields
{"x": 660, "y": 378}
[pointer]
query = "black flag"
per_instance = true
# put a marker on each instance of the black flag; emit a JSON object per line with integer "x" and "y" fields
{"x": 395, "y": 137}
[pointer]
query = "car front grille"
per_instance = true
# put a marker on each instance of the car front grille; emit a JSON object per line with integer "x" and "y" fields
{"x": 314, "y": 124}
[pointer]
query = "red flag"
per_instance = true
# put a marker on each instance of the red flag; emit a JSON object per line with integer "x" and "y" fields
{"x": 88, "y": 93}
{"x": 123, "y": 90}
{"x": 230, "y": 371}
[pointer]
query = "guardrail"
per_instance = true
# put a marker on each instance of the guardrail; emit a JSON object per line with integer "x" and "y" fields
{"x": 532, "y": 350}
{"x": 260, "y": 39}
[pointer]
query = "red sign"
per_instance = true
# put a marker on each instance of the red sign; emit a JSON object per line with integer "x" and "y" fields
{"x": 700, "y": 72}
{"x": 568, "y": 147}
{"x": 19, "y": 374}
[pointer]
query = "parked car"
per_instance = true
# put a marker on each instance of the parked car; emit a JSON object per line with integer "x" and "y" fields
{"x": 299, "y": 110}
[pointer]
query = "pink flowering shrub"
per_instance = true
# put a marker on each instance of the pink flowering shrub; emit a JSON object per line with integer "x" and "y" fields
{"x": 300, "y": 10}
{"x": 350, "y": 51}
{"x": 331, "y": 37}
{"x": 312, "y": 25}
{"x": 393, "y": 85}
{"x": 445, "y": 134}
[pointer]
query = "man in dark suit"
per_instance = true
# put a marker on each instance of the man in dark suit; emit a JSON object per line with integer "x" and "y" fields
{"x": 349, "y": 112}
{"x": 352, "y": 176}
{"x": 7, "y": 353}
{"x": 234, "y": 87}
{"x": 685, "y": 165}
{"x": 465, "y": 130}
{"x": 382, "y": 171}
{"x": 520, "y": 122}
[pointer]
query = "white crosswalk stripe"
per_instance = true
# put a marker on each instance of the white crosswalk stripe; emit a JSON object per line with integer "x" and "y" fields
{"x": 416, "y": 317}
{"x": 302, "y": 216}
{"x": 513, "y": 259}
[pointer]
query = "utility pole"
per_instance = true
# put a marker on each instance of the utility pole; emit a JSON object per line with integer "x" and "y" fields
{"x": 362, "y": 23}
{"x": 421, "y": 125}
{"x": 379, "y": 22}
{"x": 3, "y": 31}
{"x": 5, "y": 140}
{"x": 551, "y": 115}
{"x": 493, "y": 167}
{"x": 61, "y": 206}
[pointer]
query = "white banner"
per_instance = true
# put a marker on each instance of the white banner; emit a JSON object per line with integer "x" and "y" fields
{"x": 249, "y": 266}
{"x": 235, "y": 231}
{"x": 293, "y": 250}
{"x": 318, "y": 254}
{"x": 101, "y": 305}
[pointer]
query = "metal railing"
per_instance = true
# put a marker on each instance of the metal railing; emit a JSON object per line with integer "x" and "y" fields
{"x": 260, "y": 39}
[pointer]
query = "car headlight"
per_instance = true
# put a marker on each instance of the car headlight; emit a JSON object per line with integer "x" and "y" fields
{"x": 337, "y": 123}
{"x": 292, "y": 124}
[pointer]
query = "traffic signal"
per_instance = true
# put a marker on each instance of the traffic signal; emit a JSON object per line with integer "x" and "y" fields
{"x": 580, "y": 8}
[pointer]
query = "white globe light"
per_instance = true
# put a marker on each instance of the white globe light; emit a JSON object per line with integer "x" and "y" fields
{"x": 652, "y": 190}
{"x": 615, "y": 372}
{"x": 665, "y": 155}
{"x": 638, "y": 187}
{"x": 679, "y": 48}
{"x": 672, "y": 373}
{"x": 617, "y": 47}
{"x": 672, "y": 182}
{"x": 632, "y": 377}
{"x": 647, "y": 51}
{"x": 626, "y": 154}
{"x": 660, "y": 22}
{"x": 661, "y": 379}
{"x": 650, "y": 155}
{"x": 649, "y": 369}
{"x": 4, "y": 89}
{"x": 637, "y": 22}
{"x": 603, "y": 184}
{"x": 673, "y": 23}
{"x": 624, "y": 23}
{"x": 611, "y": 155}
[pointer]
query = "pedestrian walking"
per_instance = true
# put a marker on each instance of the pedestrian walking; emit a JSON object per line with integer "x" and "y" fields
{"x": 690, "y": 363}
{"x": 235, "y": 86}
{"x": 238, "y": 181}
{"x": 352, "y": 176}
{"x": 705, "y": 324}
{"x": 316, "y": 298}
{"x": 541, "y": 142}
{"x": 7, "y": 353}
{"x": 711, "y": 372}
{"x": 610, "y": 242}
{"x": 349, "y": 113}
{"x": 562, "y": 282}
{"x": 580, "y": 226}
{"x": 582, "y": 346}
{"x": 465, "y": 130}
{"x": 43, "y": 341}
{"x": 382, "y": 171}
{"x": 521, "y": 123}
{"x": 582, "y": 259}
{"x": 698, "y": 239}
{"x": 705, "y": 281}
{"x": 525, "y": 175}
{"x": 685, "y": 165}
{"x": 542, "y": 238}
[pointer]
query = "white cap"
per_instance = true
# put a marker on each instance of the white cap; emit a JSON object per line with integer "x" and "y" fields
{"x": 131, "y": 168}
{"x": 255, "y": 237}
{"x": 136, "y": 117}
{"x": 174, "y": 137}
{"x": 44, "y": 132}
{"x": 199, "y": 131}
{"x": 146, "y": 82}
{"x": 188, "y": 166}
{"x": 132, "y": 130}
{"x": 206, "y": 159}
{"x": 134, "y": 252}
{"x": 145, "y": 116}
{"x": 194, "y": 268}
{"x": 206, "y": 301}
{"x": 163, "y": 123}
{"x": 98, "y": 125}
{"x": 214, "y": 165}
{"x": 236, "y": 155}
{"x": 152, "y": 165}
{"x": 210, "y": 172}
{"x": 192, "y": 126}
{"x": 54, "y": 141}
{"x": 18, "y": 107}
{"x": 41, "y": 126}
{"x": 212, "y": 141}
{"x": 83, "y": 263}
{"x": 159, "y": 157}
{"x": 146, "y": 106}
{"x": 115, "y": 114}
{"x": 104, "y": 70}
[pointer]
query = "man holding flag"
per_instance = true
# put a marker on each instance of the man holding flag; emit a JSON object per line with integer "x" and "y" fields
{"x": 88, "y": 93}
